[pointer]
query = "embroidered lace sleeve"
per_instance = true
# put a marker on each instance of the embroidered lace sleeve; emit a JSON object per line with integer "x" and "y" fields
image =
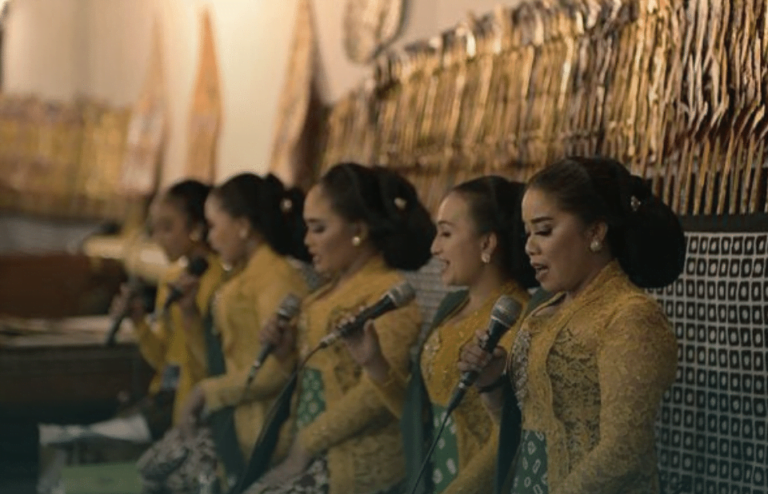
{"x": 241, "y": 345}
{"x": 477, "y": 476}
{"x": 392, "y": 391}
{"x": 152, "y": 343}
{"x": 637, "y": 358}
{"x": 362, "y": 404}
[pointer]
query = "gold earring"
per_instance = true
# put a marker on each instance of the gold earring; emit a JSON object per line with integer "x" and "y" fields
{"x": 195, "y": 236}
{"x": 596, "y": 246}
{"x": 356, "y": 240}
{"x": 485, "y": 257}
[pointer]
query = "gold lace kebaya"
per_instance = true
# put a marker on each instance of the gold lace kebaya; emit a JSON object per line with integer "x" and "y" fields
{"x": 591, "y": 375}
{"x": 168, "y": 344}
{"x": 337, "y": 413}
{"x": 464, "y": 460}
{"x": 242, "y": 307}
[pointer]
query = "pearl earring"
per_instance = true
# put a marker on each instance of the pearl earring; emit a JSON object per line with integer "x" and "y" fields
{"x": 596, "y": 246}
{"x": 485, "y": 257}
{"x": 356, "y": 240}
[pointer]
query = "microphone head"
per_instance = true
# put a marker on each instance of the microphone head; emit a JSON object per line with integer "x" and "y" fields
{"x": 401, "y": 294}
{"x": 506, "y": 310}
{"x": 289, "y": 307}
{"x": 197, "y": 266}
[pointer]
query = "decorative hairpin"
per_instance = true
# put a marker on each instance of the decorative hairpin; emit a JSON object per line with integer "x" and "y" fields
{"x": 286, "y": 205}
{"x": 400, "y": 203}
{"x": 634, "y": 203}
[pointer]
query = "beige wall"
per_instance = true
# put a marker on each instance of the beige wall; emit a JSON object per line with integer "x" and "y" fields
{"x": 61, "y": 48}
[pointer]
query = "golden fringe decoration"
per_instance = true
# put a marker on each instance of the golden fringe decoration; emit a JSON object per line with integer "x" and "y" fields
{"x": 674, "y": 90}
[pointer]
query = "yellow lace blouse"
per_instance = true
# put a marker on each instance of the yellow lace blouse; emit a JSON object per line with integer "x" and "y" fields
{"x": 590, "y": 375}
{"x": 356, "y": 432}
{"x": 241, "y": 308}
{"x": 167, "y": 343}
{"x": 476, "y": 435}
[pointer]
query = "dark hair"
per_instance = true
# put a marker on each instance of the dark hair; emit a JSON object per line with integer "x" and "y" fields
{"x": 494, "y": 204}
{"x": 644, "y": 234}
{"x": 271, "y": 209}
{"x": 399, "y": 225}
{"x": 190, "y": 195}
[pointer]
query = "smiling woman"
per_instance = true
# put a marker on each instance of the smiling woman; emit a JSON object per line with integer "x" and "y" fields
{"x": 480, "y": 243}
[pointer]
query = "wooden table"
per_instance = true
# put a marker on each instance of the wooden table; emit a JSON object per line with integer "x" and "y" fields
{"x": 59, "y": 371}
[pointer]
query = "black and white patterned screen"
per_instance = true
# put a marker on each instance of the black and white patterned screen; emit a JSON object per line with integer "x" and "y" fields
{"x": 711, "y": 432}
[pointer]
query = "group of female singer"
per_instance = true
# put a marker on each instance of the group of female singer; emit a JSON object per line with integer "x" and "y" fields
{"x": 565, "y": 403}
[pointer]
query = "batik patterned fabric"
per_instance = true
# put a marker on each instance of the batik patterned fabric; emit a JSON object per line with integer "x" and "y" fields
{"x": 311, "y": 398}
{"x": 445, "y": 458}
{"x": 531, "y": 467}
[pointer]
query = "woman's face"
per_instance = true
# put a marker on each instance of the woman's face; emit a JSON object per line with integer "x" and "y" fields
{"x": 558, "y": 244}
{"x": 329, "y": 236}
{"x": 171, "y": 229}
{"x": 458, "y": 245}
{"x": 225, "y": 233}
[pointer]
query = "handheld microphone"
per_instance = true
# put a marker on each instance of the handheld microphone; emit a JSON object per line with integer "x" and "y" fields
{"x": 134, "y": 285}
{"x": 196, "y": 267}
{"x": 288, "y": 309}
{"x": 397, "y": 296}
{"x": 504, "y": 314}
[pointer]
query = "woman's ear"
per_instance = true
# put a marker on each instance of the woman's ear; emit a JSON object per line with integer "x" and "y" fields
{"x": 488, "y": 245}
{"x": 196, "y": 233}
{"x": 360, "y": 229}
{"x": 600, "y": 231}
{"x": 243, "y": 227}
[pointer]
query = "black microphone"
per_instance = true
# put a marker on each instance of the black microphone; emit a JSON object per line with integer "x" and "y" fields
{"x": 397, "y": 296}
{"x": 134, "y": 285}
{"x": 288, "y": 309}
{"x": 196, "y": 267}
{"x": 504, "y": 314}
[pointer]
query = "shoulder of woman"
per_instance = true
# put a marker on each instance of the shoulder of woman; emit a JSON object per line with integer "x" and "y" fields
{"x": 637, "y": 312}
{"x": 376, "y": 282}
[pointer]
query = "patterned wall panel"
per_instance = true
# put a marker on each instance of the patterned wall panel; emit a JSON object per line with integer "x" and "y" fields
{"x": 712, "y": 430}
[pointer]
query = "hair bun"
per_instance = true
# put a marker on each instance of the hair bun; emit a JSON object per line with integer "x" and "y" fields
{"x": 655, "y": 242}
{"x": 263, "y": 201}
{"x": 400, "y": 226}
